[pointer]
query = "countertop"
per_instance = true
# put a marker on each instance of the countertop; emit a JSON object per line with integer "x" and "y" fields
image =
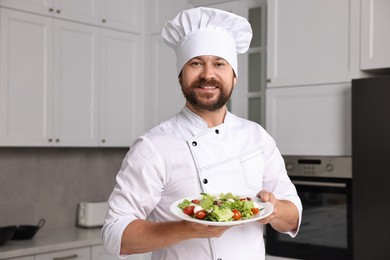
{"x": 51, "y": 240}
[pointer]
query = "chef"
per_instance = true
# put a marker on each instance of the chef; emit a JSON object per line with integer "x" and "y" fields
{"x": 203, "y": 148}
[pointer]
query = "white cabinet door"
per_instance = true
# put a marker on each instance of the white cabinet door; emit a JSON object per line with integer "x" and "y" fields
{"x": 98, "y": 253}
{"x": 375, "y": 34}
{"x": 163, "y": 93}
{"x": 83, "y": 253}
{"x": 75, "y": 101}
{"x": 36, "y": 6}
{"x": 122, "y": 14}
{"x": 26, "y": 79}
{"x": 87, "y": 11}
{"x": 314, "y": 120}
{"x": 312, "y": 42}
{"x": 49, "y": 83}
{"x": 30, "y": 257}
{"x": 120, "y": 92}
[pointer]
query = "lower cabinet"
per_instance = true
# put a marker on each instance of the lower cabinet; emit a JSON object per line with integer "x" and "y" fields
{"x": 30, "y": 257}
{"x": 98, "y": 253}
{"x": 83, "y": 253}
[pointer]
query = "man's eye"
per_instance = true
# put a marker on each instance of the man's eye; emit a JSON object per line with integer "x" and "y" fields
{"x": 220, "y": 64}
{"x": 195, "y": 63}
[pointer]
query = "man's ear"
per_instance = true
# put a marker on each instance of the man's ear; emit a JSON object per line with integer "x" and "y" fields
{"x": 179, "y": 77}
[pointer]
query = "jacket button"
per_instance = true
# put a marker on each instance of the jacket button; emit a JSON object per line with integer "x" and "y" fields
{"x": 194, "y": 143}
{"x": 219, "y": 259}
{"x": 205, "y": 181}
{"x": 216, "y": 131}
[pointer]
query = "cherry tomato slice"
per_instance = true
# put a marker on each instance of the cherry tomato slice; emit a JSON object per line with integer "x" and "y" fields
{"x": 255, "y": 210}
{"x": 195, "y": 201}
{"x": 189, "y": 210}
{"x": 237, "y": 214}
{"x": 201, "y": 214}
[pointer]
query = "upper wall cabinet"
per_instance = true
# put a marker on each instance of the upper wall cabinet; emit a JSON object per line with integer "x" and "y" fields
{"x": 66, "y": 83}
{"x": 121, "y": 120}
{"x": 119, "y": 14}
{"x": 312, "y": 42}
{"x": 310, "y": 120}
{"x": 375, "y": 34}
{"x": 162, "y": 89}
{"x": 82, "y": 11}
{"x": 46, "y": 97}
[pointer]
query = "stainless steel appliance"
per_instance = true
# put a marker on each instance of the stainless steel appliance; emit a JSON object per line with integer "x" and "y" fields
{"x": 324, "y": 184}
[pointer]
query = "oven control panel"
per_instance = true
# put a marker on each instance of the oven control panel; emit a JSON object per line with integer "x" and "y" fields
{"x": 319, "y": 166}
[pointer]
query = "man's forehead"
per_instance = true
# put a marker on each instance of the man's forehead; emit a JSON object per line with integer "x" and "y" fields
{"x": 203, "y": 57}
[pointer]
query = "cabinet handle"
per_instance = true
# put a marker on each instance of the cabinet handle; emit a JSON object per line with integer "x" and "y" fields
{"x": 103, "y": 140}
{"x": 104, "y": 20}
{"x": 57, "y": 140}
{"x": 50, "y": 140}
{"x": 268, "y": 80}
{"x": 51, "y": 9}
{"x": 66, "y": 257}
{"x": 58, "y": 11}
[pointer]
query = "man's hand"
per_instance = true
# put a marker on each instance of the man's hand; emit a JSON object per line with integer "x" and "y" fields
{"x": 285, "y": 216}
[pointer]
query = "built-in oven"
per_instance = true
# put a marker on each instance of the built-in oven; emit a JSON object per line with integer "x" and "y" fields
{"x": 324, "y": 184}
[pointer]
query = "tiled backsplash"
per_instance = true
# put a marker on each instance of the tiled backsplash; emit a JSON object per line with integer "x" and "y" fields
{"x": 50, "y": 182}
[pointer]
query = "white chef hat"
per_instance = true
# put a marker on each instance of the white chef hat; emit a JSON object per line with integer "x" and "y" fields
{"x": 207, "y": 31}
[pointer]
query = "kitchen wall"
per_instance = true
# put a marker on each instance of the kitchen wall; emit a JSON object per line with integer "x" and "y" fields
{"x": 50, "y": 182}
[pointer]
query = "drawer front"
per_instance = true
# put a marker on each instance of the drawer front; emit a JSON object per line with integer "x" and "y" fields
{"x": 72, "y": 254}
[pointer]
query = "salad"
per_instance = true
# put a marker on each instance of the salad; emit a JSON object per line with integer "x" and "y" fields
{"x": 220, "y": 208}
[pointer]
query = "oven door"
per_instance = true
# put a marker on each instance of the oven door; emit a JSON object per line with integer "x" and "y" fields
{"x": 326, "y": 227}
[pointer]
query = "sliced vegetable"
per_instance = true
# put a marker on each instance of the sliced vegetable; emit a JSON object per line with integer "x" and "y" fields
{"x": 221, "y": 208}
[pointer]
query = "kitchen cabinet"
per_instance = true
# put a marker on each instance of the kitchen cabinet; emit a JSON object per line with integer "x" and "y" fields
{"x": 312, "y": 42}
{"x": 120, "y": 93}
{"x": 375, "y": 37}
{"x": 75, "y": 102}
{"x": 82, "y": 253}
{"x": 119, "y": 14}
{"x": 47, "y": 97}
{"x": 83, "y": 11}
{"x": 26, "y": 78}
{"x": 310, "y": 120}
{"x": 22, "y": 258}
{"x": 163, "y": 92}
{"x": 61, "y": 102}
{"x": 98, "y": 253}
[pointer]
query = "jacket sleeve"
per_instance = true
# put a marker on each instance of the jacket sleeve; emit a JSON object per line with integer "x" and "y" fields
{"x": 277, "y": 181}
{"x": 139, "y": 183}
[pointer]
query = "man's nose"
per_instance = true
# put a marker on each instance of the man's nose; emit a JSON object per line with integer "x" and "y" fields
{"x": 208, "y": 71}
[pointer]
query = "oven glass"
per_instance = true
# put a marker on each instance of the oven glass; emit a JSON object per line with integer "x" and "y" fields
{"x": 324, "y": 220}
{"x": 325, "y": 231}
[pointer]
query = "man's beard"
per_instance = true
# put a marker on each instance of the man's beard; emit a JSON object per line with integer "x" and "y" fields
{"x": 193, "y": 98}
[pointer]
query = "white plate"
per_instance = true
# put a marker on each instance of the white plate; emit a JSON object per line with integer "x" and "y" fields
{"x": 267, "y": 209}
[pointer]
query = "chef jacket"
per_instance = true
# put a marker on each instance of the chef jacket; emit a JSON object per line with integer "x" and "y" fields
{"x": 181, "y": 158}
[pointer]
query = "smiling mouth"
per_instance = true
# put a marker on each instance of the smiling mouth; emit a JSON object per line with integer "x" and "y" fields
{"x": 208, "y": 87}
